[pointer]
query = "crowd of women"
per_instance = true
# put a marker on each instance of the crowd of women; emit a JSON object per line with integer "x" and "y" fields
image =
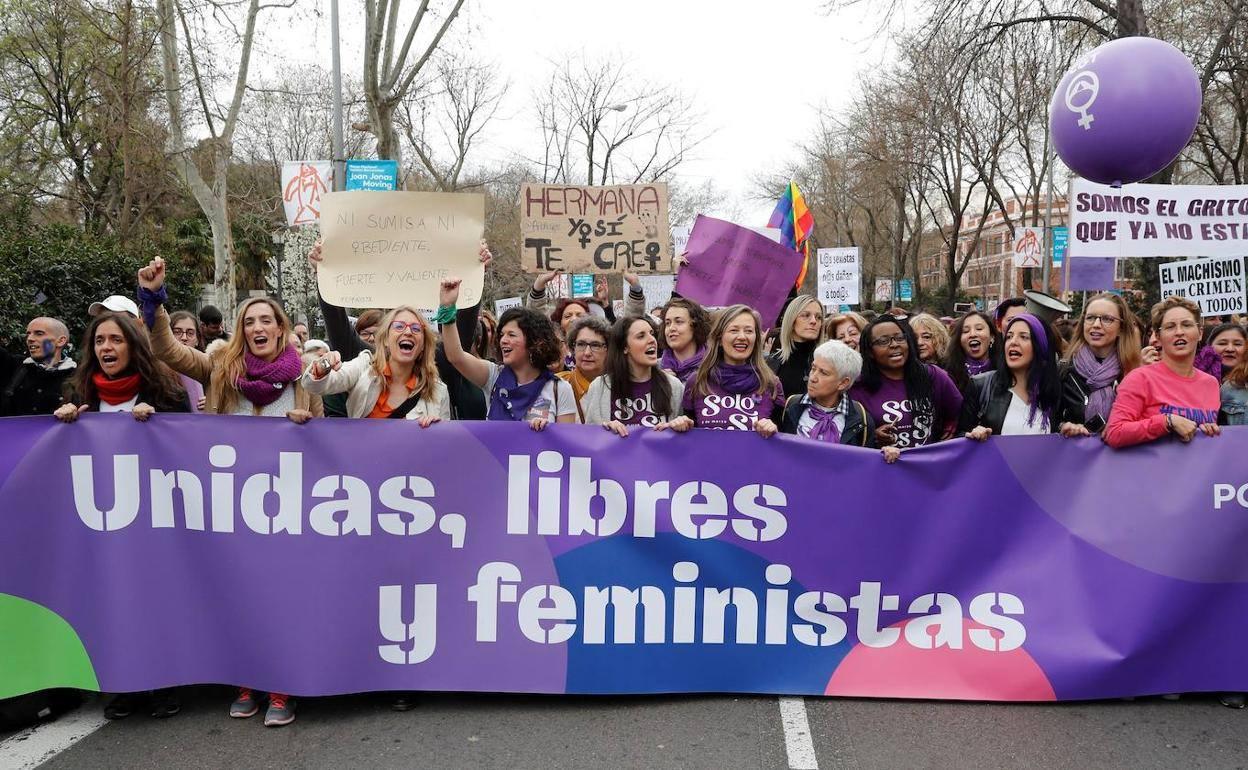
{"x": 890, "y": 382}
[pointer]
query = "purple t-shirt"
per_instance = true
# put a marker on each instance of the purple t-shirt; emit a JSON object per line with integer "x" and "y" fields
{"x": 638, "y": 407}
{"x": 721, "y": 410}
{"x": 890, "y": 405}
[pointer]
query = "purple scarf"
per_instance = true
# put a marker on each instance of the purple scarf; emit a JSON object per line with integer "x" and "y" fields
{"x": 825, "y": 426}
{"x": 974, "y": 367}
{"x": 1101, "y": 376}
{"x": 510, "y": 401}
{"x": 682, "y": 369}
{"x": 737, "y": 379}
{"x": 265, "y": 381}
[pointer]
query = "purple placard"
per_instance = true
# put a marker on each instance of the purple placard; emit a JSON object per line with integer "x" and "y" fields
{"x": 1089, "y": 274}
{"x": 353, "y": 555}
{"x": 730, "y": 264}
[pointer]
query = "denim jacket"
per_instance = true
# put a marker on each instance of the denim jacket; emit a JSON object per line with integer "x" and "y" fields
{"x": 1234, "y": 405}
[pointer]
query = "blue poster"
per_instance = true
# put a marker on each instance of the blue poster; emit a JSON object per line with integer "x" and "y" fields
{"x": 380, "y": 175}
{"x": 1060, "y": 236}
{"x": 583, "y": 285}
{"x": 905, "y": 290}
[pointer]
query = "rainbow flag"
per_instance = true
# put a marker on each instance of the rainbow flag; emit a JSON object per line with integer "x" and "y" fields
{"x": 795, "y": 222}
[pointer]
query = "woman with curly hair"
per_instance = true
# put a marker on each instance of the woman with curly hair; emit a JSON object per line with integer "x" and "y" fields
{"x": 686, "y": 328}
{"x": 521, "y": 386}
{"x": 733, "y": 389}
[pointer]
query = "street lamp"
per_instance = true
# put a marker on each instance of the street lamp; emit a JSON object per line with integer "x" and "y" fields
{"x": 279, "y": 240}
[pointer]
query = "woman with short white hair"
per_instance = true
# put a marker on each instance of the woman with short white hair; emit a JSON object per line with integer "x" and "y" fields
{"x": 826, "y": 412}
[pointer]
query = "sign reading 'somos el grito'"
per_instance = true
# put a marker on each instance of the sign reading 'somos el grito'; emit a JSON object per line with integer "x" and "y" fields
{"x": 595, "y": 229}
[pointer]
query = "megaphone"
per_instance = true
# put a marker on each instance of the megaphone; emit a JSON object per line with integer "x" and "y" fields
{"x": 1043, "y": 306}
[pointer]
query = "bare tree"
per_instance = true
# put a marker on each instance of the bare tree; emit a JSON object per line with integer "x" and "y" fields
{"x": 387, "y": 74}
{"x": 219, "y": 122}
{"x": 444, "y": 118}
{"x": 602, "y": 125}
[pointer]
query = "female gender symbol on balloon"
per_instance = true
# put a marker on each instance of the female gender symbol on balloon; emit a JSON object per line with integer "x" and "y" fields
{"x": 1125, "y": 110}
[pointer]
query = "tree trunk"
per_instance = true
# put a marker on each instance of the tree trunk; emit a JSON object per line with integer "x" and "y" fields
{"x": 381, "y": 113}
{"x": 1131, "y": 21}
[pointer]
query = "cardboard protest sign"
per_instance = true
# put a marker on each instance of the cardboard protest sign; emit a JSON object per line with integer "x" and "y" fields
{"x": 838, "y": 276}
{"x": 594, "y": 229}
{"x": 1158, "y": 220}
{"x": 385, "y": 249}
{"x": 1216, "y": 284}
{"x": 730, "y": 264}
{"x": 304, "y": 184}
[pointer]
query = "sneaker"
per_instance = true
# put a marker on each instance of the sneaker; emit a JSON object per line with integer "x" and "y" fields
{"x": 1232, "y": 700}
{"x": 121, "y": 706}
{"x": 244, "y": 705}
{"x": 165, "y": 703}
{"x": 281, "y": 710}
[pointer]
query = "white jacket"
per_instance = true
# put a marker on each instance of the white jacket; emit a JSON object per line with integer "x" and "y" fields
{"x": 362, "y": 384}
{"x": 597, "y": 400}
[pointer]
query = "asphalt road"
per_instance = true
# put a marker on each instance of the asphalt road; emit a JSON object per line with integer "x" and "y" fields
{"x": 502, "y": 731}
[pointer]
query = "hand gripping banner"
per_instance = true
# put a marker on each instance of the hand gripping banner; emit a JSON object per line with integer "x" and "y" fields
{"x": 353, "y": 555}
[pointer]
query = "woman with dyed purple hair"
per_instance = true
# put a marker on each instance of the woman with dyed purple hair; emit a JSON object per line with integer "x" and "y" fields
{"x": 1022, "y": 397}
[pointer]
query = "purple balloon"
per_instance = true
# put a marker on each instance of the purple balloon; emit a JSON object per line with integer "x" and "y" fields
{"x": 1125, "y": 110}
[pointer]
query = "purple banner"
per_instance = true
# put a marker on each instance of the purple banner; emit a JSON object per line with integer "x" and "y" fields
{"x": 730, "y": 264}
{"x": 1089, "y": 274}
{"x": 354, "y": 555}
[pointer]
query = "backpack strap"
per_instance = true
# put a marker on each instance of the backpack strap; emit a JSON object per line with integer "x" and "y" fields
{"x": 862, "y": 410}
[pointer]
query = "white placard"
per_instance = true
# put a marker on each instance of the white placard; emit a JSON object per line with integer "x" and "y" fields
{"x": 680, "y": 240}
{"x": 883, "y": 289}
{"x": 1158, "y": 220}
{"x": 1216, "y": 284}
{"x": 503, "y": 305}
{"x": 658, "y": 289}
{"x": 771, "y": 232}
{"x": 304, "y": 183}
{"x": 839, "y": 276}
{"x": 1029, "y": 247}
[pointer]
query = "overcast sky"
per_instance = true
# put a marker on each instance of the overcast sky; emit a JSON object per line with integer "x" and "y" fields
{"x": 758, "y": 71}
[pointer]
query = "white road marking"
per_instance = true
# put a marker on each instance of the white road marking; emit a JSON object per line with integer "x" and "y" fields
{"x": 36, "y": 745}
{"x": 797, "y": 741}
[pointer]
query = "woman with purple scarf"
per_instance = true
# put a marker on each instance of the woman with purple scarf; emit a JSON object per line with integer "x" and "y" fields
{"x": 1023, "y": 396}
{"x": 1105, "y": 346}
{"x": 733, "y": 389}
{"x": 686, "y": 328}
{"x": 257, "y": 374}
{"x": 522, "y": 388}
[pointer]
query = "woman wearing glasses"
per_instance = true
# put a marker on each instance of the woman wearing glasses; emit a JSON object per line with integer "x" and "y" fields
{"x": 398, "y": 381}
{"x": 1104, "y": 349}
{"x": 587, "y": 339}
{"x": 911, "y": 403}
{"x": 1171, "y": 396}
{"x": 521, "y": 388}
{"x": 801, "y": 331}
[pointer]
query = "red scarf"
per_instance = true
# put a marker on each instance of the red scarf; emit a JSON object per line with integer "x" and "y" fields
{"x": 116, "y": 391}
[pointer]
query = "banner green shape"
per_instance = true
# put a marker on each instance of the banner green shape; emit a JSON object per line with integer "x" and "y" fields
{"x": 39, "y": 650}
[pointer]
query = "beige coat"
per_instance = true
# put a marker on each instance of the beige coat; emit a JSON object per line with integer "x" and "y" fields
{"x": 360, "y": 381}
